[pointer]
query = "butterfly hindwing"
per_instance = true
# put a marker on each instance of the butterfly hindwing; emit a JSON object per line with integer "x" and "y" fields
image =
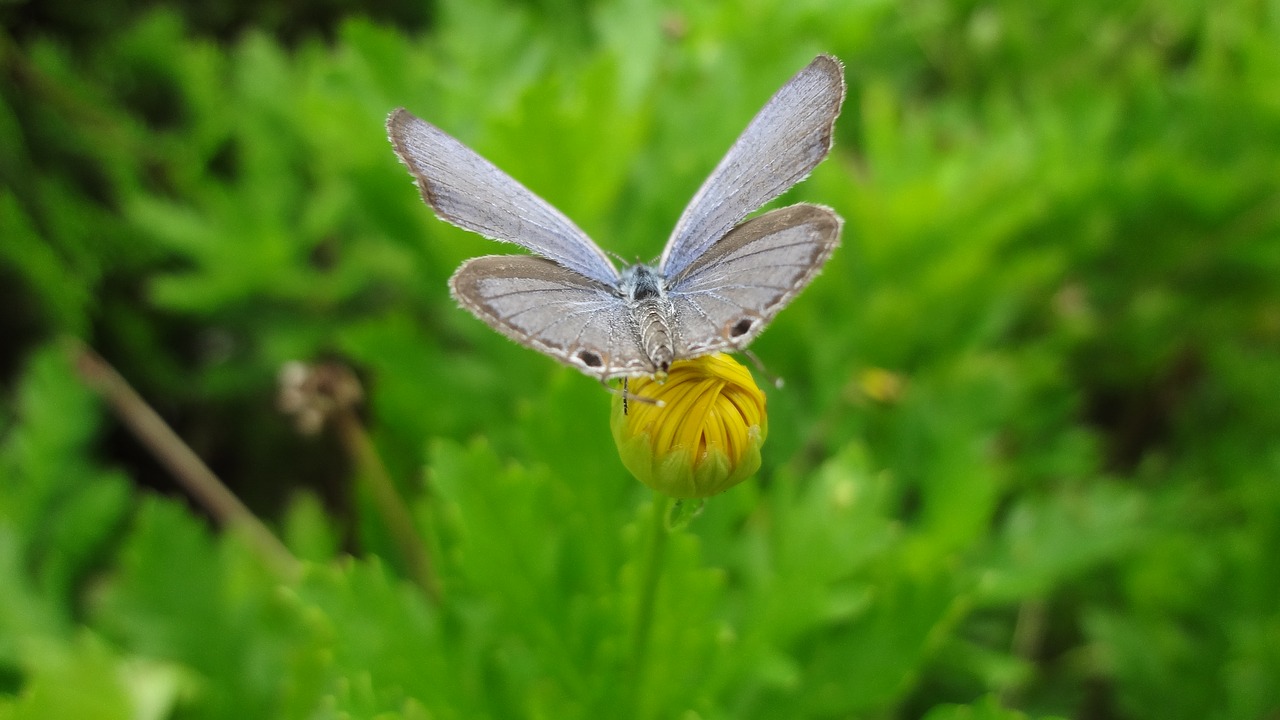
{"x": 539, "y": 304}
{"x": 726, "y": 297}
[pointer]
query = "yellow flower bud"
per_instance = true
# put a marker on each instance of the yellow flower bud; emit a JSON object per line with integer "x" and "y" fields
{"x": 695, "y": 434}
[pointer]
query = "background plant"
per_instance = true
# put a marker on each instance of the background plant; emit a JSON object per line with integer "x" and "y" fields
{"x": 1025, "y": 460}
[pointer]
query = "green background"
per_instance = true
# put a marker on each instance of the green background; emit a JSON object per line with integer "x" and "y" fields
{"x": 1026, "y": 461}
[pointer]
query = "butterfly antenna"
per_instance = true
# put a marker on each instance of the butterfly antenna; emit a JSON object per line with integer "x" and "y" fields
{"x": 774, "y": 380}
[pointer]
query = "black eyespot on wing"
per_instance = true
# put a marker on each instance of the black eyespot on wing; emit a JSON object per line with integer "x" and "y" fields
{"x": 590, "y": 359}
{"x": 742, "y": 327}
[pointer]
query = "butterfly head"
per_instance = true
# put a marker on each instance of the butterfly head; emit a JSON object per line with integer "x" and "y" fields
{"x": 642, "y": 282}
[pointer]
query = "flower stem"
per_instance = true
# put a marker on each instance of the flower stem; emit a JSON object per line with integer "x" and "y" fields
{"x": 388, "y": 503}
{"x": 171, "y": 451}
{"x": 648, "y": 594}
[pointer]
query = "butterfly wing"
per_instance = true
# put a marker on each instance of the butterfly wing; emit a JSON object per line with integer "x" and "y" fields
{"x": 730, "y": 293}
{"x": 539, "y": 304}
{"x": 472, "y": 193}
{"x": 783, "y": 143}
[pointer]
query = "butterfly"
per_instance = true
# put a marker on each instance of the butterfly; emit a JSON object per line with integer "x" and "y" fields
{"x": 719, "y": 281}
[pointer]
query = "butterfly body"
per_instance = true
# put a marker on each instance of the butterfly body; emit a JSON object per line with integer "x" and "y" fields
{"x": 719, "y": 281}
{"x": 644, "y": 290}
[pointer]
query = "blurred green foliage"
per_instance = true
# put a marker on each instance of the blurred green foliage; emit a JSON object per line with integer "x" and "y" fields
{"x": 1025, "y": 463}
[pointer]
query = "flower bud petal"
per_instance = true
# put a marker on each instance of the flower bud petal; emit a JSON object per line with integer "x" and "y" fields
{"x": 696, "y": 434}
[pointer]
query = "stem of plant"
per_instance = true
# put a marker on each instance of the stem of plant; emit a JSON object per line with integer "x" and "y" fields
{"x": 1028, "y": 633}
{"x": 187, "y": 468}
{"x": 388, "y": 502}
{"x": 648, "y": 594}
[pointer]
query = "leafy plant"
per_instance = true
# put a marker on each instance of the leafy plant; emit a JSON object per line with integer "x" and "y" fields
{"x": 1023, "y": 464}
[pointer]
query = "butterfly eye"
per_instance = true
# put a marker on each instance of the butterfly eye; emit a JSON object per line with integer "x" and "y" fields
{"x": 590, "y": 359}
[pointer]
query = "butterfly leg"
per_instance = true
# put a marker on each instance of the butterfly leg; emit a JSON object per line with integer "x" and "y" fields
{"x": 628, "y": 396}
{"x": 774, "y": 380}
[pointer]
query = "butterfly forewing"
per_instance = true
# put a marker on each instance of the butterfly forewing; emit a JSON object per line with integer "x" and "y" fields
{"x": 473, "y": 194}
{"x": 728, "y": 295}
{"x": 781, "y": 145}
{"x": 557, "y": 311}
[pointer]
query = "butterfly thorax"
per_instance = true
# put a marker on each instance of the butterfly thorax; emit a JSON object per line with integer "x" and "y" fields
{"x": 645, "y": 291}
